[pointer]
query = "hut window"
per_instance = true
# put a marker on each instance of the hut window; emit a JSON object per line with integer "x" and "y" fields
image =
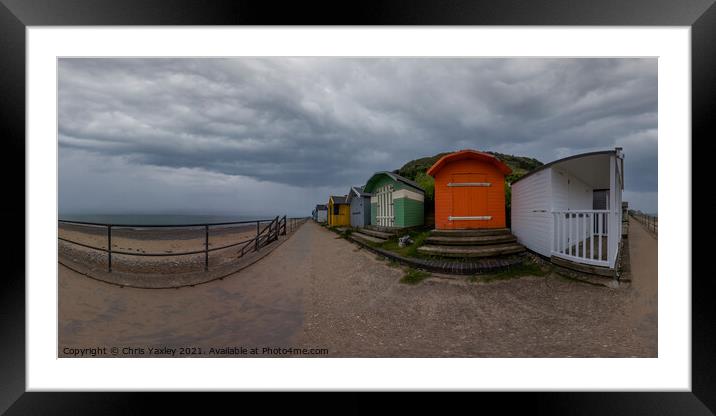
{"x": 336, "y": 210}
{"x": 600, "y": 200}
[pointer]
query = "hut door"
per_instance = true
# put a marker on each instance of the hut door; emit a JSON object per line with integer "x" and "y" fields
{"x": 357, "y": 212}
{"x": 386, "y": 212}
{"x": 469, "y": 200}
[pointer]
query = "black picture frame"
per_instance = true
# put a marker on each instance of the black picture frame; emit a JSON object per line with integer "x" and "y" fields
{"x": 16, "y": 15}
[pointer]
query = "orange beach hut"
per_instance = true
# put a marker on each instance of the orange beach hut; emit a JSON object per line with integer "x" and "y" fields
{"x": 469, "y": 190}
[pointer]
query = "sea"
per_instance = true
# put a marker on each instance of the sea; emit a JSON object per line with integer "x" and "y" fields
{"x": 161, "y": 219}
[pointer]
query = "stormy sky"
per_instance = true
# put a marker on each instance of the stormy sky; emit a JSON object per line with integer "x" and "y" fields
{"x": 251, "y": 136}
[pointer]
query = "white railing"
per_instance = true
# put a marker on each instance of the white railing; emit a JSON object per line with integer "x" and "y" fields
{"x": 586, "y": 236}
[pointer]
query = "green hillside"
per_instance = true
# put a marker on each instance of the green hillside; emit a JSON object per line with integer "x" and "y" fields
{"x": 519, "y": 165}
{"x": 415, "y": 169}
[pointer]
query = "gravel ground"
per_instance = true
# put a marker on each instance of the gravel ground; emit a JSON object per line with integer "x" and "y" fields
{"x": 320, "y": 291}
{"x": 354, "y": 313}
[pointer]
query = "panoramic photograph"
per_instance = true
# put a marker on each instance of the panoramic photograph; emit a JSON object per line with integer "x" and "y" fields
{"x": 357, "y": 207}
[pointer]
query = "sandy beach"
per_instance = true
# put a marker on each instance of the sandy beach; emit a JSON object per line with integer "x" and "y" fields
{"x": 320, "y": 291}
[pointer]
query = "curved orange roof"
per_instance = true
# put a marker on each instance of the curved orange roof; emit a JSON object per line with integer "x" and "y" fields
{"x": 469, "y": 154}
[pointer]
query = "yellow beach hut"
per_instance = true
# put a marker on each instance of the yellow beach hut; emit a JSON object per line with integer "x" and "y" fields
{"x": 339, "y": 211}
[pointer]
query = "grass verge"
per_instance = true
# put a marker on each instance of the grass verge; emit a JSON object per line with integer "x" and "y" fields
{"x": 346, "y": 232}
{"x": 411, "y": 250}
{"x": 513, "y": 272}
{"x": 414, "y": 276}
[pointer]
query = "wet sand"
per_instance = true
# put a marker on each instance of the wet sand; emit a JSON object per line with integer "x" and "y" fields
{"x": 320, "y": 291}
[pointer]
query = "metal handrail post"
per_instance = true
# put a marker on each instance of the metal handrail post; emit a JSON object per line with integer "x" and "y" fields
{"x": 206, "y": 248}
{"x": 256, "y": 246}
{"x": 109, "y": 248}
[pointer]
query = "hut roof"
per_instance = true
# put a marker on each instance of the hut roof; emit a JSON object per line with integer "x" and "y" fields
{"x": 321, "y": 207}
{"x": 468, "y": 154}
{"x": 357, "y": 191}
{"x": 396, "y": 178}
{"x": 337, "y": 200}
{"x": 583, "y": 155}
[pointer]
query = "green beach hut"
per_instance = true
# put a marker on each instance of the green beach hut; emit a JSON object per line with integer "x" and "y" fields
{"x": 396, "y": 202}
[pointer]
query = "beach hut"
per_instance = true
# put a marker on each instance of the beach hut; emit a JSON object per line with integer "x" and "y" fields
{"x": 570, "y": 210}
{"x": 338, "y": 211}
{"x": 469, "y": 191}
{"x": 396, "y": 202}
{"x": 321, "y": 213}
{"x": 359, "y": 202}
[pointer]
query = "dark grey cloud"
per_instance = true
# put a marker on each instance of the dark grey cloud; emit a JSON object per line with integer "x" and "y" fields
{"x": 318, "y": 125}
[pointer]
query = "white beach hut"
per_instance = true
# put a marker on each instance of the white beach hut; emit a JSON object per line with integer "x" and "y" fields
{"x": 570, "y": 210}
{"x": 321, "y": 213}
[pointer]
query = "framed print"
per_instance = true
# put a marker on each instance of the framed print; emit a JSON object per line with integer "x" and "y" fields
{"x": 237, "y": 198}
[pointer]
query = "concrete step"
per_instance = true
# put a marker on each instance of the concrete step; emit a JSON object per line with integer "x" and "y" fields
{"x": 470, "y": 233}
{"x": 472, "y": 251}
{"x": 373, "y": 233}
{"x": 471, "y": 241}
{"x": 386, "y": 230}
{"x": 583, "y": 268}
{"x": 365, "y": 238}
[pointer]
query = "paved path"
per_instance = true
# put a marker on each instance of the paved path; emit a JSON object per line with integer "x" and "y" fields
{"x": 320, "y": 291}
{"x": 644, "y": 259}
{"x": 259, "y": 306}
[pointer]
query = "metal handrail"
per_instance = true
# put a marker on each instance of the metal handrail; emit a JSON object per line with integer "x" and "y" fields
{"x": 181, "y": 253}
{"x": 580, "y": 211}
{"x": 211, "y": 224}
{"x": 276, "y": 227}
{"x": 651, "y": 222}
